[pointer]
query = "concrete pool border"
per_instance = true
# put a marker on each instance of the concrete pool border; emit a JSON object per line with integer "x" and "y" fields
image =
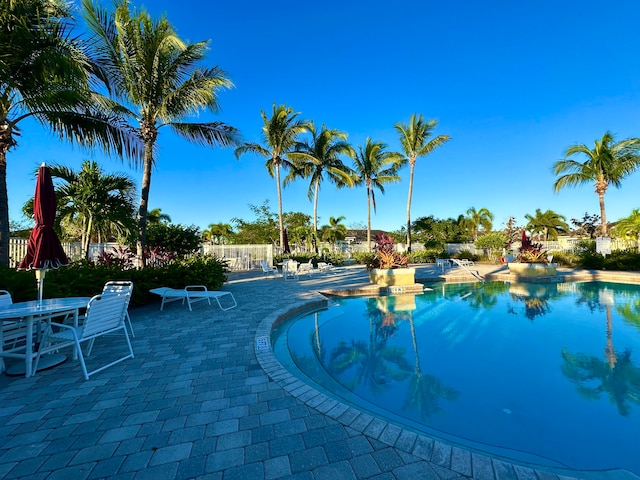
{"x": 462, "y": 460}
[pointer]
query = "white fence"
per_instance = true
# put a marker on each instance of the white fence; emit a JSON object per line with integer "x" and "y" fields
{"x": 239, "y": 257}
{"x": 566, "y": 245}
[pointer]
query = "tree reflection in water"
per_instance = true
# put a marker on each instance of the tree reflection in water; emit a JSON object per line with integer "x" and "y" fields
{"x": 377, "y": 365}
{"x": 616, "y": 375}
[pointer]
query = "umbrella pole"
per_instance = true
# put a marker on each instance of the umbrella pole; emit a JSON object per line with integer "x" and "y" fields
{"x": 40, "y": 273}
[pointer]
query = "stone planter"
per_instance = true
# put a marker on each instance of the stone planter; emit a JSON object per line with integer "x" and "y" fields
{"x": 533, "y": 269}
{"x": 396, "y": 276}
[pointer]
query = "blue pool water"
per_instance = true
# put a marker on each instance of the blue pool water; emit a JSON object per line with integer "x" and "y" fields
{"x": 542, "y": 373}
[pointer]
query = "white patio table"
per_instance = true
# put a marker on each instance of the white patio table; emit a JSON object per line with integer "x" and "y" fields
{"x": 35, "y": 311}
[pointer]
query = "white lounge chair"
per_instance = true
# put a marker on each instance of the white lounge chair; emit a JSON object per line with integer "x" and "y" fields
{"x": 120, "y": 287}
{"x": 267, "y": 270}
{"x": 306, "y": 268}
{"x": 193, "y": 294}
{"x": 325, "y": 267}
{"x": 105, "y": 315}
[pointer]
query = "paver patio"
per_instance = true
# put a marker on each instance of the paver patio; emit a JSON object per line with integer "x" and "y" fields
{"x": 196, "y": 402}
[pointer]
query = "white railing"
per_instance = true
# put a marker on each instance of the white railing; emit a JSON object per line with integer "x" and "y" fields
{"x": 239, "y": 257}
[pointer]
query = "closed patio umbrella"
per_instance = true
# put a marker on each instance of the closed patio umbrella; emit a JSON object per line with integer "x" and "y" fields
{"x": 285, "y": 240}
{"x": 44, "y": 250}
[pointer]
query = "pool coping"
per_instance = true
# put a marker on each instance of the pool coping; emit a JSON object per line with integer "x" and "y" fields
{"x": 463, "y": 460}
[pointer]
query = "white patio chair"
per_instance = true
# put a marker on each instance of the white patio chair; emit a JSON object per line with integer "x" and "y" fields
{"x": 105, "y": 314}
{"x": 13, "y": 335}
{"x": 267, "y": 270}
{"x": 290, "y": 269}
{"x": 119, "y": 287}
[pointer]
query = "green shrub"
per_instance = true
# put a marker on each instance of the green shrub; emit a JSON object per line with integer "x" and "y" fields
{"x": 590, "y": 260}
{"x": 565, "y": 259}
{"x": 83, "y": 279}
{"x": 628, "y": 260}
{"x": 465, "y": 254}
{"x": 428, "y": 255}
{"x": 365, "y": 258}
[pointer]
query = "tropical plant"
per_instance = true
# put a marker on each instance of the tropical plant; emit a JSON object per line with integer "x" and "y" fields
{"x": 155, "y": 216}
{"x": 218, "y": 232}
{"x": 608, "y": 163}
{"x": 334, "y": 231}
{"x": 546, "y": 224}
{"x": 531, "y": 252}
{"x": 374, "y": 168}
{"x": 587, "y": 225}
{"x": 478, "y": 218}
{"x": 156, "y": 78}
{"x": 100, "y": 205}
{"x": 385, "y": 256}
{"x": 320, "y": 159}
{"x": 279, "y": 136}
{"x": 44, "y": 76}
{"x": 414, "y": 138}
{"x": 628, "y": 227}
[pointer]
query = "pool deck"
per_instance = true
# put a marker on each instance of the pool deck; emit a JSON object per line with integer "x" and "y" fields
{"x": 205, "y": 398}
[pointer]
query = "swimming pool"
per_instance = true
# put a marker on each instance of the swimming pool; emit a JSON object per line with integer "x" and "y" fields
{"x": 540, "y": 373}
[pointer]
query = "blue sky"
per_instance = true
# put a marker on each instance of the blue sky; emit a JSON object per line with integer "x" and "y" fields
{"x": 513, "y": 83}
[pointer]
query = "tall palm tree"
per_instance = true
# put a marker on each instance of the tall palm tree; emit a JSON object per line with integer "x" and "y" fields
{"x": 320, "y": 158}
{"x": 44, "y": 75}
{"x": 156, "y": 79}
{"x": 279, "y": 136}
{"x": 606, "y": 164}
{"x": 155, "y": 216}
{"x": 546, "y": 224}
{"x": 374, "y": 168}
{"x": 414, "y": 138}
{"x": 100, "y": 204}
{"x": 479, "y": 218}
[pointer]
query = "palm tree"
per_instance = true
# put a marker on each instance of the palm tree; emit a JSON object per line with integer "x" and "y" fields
{"x": 335, "y": 231}
{"x": 320, "y": 158}
{"x": 374, "y": 167}
{"x": 43, "y": 75}
{"x": 606, "y": 164}
{"x": 280, "y": 136}
{"x": 218, "y": 231}
{"x": 628, "y": 227}
{"x": 414, "y": 138}
{"x": 155, "y": 217}
{"x": 98, "y": 203}
{"x": 547, "y": 224}
{"x": 156, "y": 78}
{"x": 479, "y": 218}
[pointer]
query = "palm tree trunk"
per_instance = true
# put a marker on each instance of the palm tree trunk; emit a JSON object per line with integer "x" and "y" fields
{"x": 87, "y": 238}
{"x": 144, "y": 203}
{"x": 315, "y": 206}
{"x": 5, "y": 144}
{"x": 603, "y": 215}
{"x": 412, "y": 164}
{"x": 368, "y": 220}
{"x": 277, "y": 168}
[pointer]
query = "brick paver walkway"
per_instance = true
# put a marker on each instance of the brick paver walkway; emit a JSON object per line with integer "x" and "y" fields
{"x": 195, "y": 402}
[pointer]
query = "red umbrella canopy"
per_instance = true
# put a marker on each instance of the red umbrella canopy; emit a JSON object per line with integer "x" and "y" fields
{"x": 44, "y": 249}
